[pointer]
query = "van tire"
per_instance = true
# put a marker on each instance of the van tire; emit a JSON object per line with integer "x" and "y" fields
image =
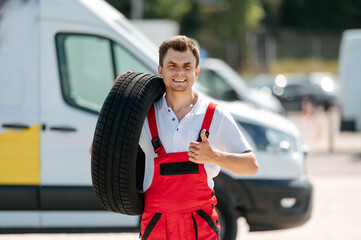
{"x": 227, "y": 215}
{"x": 117, "y": 162}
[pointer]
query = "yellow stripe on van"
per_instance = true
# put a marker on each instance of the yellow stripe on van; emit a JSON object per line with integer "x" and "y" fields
{"x": 19, "y": 157}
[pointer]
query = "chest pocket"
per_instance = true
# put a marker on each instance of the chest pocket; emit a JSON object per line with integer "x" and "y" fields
{"x": 178, "y": 168}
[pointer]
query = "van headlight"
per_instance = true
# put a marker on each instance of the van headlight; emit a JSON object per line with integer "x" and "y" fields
{"x": 270, "y": 140}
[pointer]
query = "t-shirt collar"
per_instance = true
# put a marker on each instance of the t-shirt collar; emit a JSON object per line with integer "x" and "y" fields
{"x": 199, "y": 108}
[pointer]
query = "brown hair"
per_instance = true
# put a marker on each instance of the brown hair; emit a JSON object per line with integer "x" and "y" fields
{"x": 179, "y": 43}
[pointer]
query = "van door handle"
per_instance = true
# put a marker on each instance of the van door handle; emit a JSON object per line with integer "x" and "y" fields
{"x": 63, "y": 129}
{"x": 15, "y": 126}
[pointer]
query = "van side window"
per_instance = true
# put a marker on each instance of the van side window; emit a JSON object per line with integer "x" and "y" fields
{"x": 88, "y": 65}
{"x": 125, "y": 61}
{"x": 217, "y": 87}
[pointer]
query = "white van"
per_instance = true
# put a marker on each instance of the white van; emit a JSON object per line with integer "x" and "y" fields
{"x": 57, "y": 63}
{"x": 350, "y": 75}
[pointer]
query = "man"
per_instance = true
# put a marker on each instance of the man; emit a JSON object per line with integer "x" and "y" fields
{"x": 186, "y": 140}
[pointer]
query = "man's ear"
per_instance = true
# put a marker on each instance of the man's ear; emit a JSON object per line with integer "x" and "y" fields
{"x": 197, "y": 71}
{"x": 160, "y": 71}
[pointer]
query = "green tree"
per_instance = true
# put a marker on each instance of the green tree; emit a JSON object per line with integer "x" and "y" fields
{"x": 271, "y": 16}
{"x": 219, "y": 26}
{"x": 122, "y": 6}
{"x": 321, "y": 15}
{"x": 224, "y": 27}
{"x": 184, "y": 12}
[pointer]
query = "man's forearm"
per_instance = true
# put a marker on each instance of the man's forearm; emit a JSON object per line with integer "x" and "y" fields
{"x": 239, "y": 163}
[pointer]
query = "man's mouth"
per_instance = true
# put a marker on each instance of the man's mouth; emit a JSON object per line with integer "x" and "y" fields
{"x": 179, "y": 80}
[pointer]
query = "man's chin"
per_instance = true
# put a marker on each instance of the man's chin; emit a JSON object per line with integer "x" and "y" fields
{"x": 179, "y": 89}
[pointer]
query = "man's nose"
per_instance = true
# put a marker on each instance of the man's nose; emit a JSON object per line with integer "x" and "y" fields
{"x": 180, "y": 69}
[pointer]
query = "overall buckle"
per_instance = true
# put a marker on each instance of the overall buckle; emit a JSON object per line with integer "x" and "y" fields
{"x": 157, "y": 144}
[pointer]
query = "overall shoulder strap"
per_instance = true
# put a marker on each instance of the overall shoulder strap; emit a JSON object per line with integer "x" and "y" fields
{"x": 152, "y": 122}
{"x": 207, "y": 120}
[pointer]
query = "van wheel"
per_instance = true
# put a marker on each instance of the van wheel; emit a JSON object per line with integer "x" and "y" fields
{"x": 117, "y": 162}
{"x": 227, "y": 216}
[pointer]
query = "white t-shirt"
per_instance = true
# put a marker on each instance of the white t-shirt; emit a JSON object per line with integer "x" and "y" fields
{"x": 224, "y": 135}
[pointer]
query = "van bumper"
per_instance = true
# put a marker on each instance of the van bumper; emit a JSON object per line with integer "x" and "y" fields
{"x": 278, "y": 204}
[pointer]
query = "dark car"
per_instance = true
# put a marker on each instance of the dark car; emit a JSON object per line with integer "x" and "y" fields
{"x": 321, "y": 89}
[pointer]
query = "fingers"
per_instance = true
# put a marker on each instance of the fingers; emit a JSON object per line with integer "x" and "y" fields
{"x": 121, "y": 75}
{"x": 193, "y": 152}
{"x": 193, "y": 148}
{"x": 194, "y": 144}
{"x": 90, "y": 149}
{"x": 192, "y": 159}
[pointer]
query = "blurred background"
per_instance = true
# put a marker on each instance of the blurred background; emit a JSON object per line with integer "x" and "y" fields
{"x": 280, "y": 57}
{"x": 287, "y": 49}
{"x": 258, "y": 36}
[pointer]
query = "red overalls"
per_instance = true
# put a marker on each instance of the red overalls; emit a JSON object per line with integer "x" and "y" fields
{"x": 179, "y": 205}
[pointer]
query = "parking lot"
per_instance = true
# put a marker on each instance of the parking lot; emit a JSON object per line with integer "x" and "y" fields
{"x": 337, "y": 190}
{"x": 337, "y": 184}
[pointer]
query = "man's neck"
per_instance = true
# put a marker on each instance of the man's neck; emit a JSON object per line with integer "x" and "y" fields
{"x": 181, "y": 103}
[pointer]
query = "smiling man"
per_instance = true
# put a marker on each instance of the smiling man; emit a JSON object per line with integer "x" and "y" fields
{"x": 186, "y": 140}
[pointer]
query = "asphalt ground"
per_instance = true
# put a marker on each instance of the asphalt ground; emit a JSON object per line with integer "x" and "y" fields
{"x": 334, "y": 168}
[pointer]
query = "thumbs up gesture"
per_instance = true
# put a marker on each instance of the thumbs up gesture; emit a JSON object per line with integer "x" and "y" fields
{"x": 202, "y": 152}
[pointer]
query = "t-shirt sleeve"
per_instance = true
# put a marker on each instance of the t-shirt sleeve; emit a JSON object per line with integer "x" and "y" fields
{"x": 143, "y": 135}
{"x": 229, "y": 137}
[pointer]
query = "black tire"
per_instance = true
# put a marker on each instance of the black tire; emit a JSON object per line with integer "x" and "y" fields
{"x": 117, "y": 163}
{"x": 227, "y": 216}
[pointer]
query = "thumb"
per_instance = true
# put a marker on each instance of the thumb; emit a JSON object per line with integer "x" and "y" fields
{"x": 204, "y": 137}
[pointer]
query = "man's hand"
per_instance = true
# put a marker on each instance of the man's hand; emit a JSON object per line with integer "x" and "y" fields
{"x": 239, "y": 163}
{"x": 202, "y": 152}
{"x": 90, "y": 149}
{"x": 121, "y": 75}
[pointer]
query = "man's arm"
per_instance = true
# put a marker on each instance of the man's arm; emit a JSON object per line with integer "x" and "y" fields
{"x": 239, "y": 163}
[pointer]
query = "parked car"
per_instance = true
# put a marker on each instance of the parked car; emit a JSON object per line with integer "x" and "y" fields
{"x": 321, "y": 88}
{"x": 223, "y": 83}
{"x": 57, "y": 63}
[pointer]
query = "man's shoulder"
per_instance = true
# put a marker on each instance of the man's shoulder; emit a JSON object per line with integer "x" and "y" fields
{"x": 160, "y": 103}
{"x": 219, "y": 110}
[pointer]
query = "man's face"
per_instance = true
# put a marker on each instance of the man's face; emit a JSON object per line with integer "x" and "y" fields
{"x": 179, "y": 70}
